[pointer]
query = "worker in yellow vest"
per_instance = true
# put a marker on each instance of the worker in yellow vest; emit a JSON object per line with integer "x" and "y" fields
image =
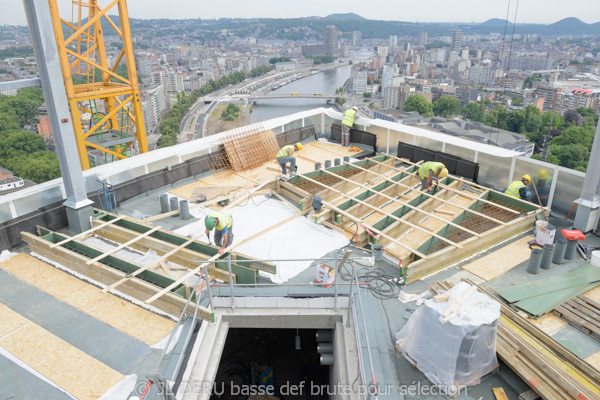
{"x": 223, "y": 225}
{"x": 428, "y": 171}
{"x": 518, "y": 189}
{"x": 286, "y": 155}
{"x": 349, "y": 117}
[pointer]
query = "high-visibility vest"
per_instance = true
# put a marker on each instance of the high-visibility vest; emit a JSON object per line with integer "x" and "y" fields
{"x": 284, "y": 151}
{"x": 513, "y": 189}
{"x": 430, "y": 166}
{"x": 224, "y": 220}
{"x": 349, "y": 117}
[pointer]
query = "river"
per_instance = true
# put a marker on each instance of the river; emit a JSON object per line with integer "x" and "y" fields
{"x": 325, "y": 82}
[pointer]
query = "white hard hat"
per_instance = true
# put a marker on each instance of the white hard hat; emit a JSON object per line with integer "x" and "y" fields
{"x": 355, "y": 108}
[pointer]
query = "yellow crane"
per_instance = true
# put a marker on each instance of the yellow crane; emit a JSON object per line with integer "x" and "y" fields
{"x": 104, "y": 100}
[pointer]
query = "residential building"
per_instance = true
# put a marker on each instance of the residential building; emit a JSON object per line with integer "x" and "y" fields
{"x": 422, "y": 38}
{"x": 456, "y": 40}
{"x": 356, "y": 38}
{"x": 331, "y": 40}
{"x": 359, "y": 80}
{"x": 466, "y": 95}
{"x": 402, "y": 117}
{"x": 313, "y": 49}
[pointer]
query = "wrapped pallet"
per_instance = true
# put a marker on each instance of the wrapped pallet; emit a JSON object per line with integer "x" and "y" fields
{"x": 453, "y": 342}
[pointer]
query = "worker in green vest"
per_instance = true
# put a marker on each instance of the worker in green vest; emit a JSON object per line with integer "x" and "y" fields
{"x": 286, "y": 155}
{"x": 518, "y": 189}
{"x": 428, "y": 171}
{"x": 223, "y": 225}
{"x": 349, "y": 117}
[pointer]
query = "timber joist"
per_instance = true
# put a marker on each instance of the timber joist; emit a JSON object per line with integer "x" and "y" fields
{"x": 74, "y": 256}
{"x": 446, "y": 225}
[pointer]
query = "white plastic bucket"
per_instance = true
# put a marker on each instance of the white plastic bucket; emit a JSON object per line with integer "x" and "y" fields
{"x": 540, "y": 224}
{"x": 595, "y": 258}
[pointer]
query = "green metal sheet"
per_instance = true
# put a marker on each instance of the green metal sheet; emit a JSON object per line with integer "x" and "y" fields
{"x": 578, "y": 277}
{"x": 543, "y": 304}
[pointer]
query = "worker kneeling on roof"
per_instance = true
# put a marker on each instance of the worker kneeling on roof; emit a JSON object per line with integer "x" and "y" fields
{"x": 519, "y": 188}
{"x": 286, "y": 155}
{"x": 429, "y": 170}
{"x": 224, "y": 229}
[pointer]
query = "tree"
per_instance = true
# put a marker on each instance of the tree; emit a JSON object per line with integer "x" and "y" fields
{"x": 417, "y": 102}
{"x": 575, "y": 135}
{"x": 572, "y": 155}
{"x": 446, "y": 106}
{"x": 573, "y": 117}
{"x": 367, "y": 95}
{"x": 473, "y": 111}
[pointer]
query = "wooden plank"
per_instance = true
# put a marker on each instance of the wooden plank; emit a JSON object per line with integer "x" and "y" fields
{"x": 416, "y": 209}
{"x": 387, "y": 214}
{"x": 122, "y": 246}
{"x": 404, "y": 160}
{"x": 501, "y": 260}
{"x": 156, "y": 263}
{"x": 169, "y": 303}
{"x": 460, "y": 193}
{"x": 195, "y": 271}
{"x": 499, "y": 394}
{"x": 391, "y": 239}
{"x": 71, "y": 369}
{"x": 185, "y": 257}
{"x": 82, "y": 234}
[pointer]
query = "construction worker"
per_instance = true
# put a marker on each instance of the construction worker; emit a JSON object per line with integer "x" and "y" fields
{"x": 429, "y": 170}
{"x": 224, "y": 229}
{"x": 286, "y": 155}
{"x": 518, "y": 189}
{"x": 349, "y": 117}
{"x": 543, "y": 184}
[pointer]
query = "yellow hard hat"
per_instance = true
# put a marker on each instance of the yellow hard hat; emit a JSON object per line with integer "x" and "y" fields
{"x": 299, "y": 146}
{"x": 444, "y": 173}
{"x": 543, "y": 174}
{"x": 526, "y": 177}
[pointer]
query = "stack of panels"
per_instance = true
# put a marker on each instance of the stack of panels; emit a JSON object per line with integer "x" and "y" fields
{"x": 540, "y": 297}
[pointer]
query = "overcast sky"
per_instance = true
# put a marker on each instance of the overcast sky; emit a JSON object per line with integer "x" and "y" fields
{"x": 530, "y": 11}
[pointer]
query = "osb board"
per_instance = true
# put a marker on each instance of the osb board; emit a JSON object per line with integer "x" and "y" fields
{"x": 501, "y": 260}
{"x": 68, "y": 367}
{"x": 416, "y": 237}
{"x": 594, "y": 360}
{"x": 549, "y": 323}
{"x": 593, "y": 294}
{"x": 112, "y": 310}
{"x": 11, "y": 320}
{"x": 260, "y": 174}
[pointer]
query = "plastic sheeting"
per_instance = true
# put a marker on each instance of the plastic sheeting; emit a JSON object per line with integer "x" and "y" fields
{"x": 456, "y": 353}
{"x": 299, "y": 238}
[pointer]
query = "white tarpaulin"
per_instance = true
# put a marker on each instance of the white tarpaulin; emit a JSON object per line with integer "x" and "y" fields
{"x": 299, "y": 238}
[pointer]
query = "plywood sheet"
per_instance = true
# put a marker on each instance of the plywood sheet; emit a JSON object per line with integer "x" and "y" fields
{"x": 501, "y": 260}
{"x": 10, "y": 321}
{"x": 594, "y": 360}
{"x": 549, "y": 323}
{"x": 68, "y": 367}
{"x": 262, "y": 174}
{"x": 135, "y": 321}
{"x": 42, "y": 275}
{"x": 593, "y": 294}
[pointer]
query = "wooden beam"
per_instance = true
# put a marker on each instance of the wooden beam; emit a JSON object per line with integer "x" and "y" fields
{"x": 185, "y": 257}
{"x": 245, "y": 177}
{"x": 456, "y": 205}
{"x": 475, "y": 184}
{"x": 122, "y": 246}
{"x": 82, "y": 234}
{"x": 358, "y": 221}
{"x": 286, "y": 201}
{"x": 333, "y": 226}
{"x": 389, "y": 215}
{"x": 470, "y": 232}
{"x": 171, "y": 303}
{"x": 156, "y": 263}
{"x": 250, "y": 193}
{"x": 343, "y": 260}
{"x": 195, "y": 271}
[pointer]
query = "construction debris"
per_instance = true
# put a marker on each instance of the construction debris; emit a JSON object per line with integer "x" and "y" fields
{"x": 583, "y": 313}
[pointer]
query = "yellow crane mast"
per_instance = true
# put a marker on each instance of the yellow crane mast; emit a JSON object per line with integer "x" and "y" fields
{"x": 104, "y": 100}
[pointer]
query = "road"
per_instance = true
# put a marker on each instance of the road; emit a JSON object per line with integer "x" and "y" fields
{"x": 198, "y": 113}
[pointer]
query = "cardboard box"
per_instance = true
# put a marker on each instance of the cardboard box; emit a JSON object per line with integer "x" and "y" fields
{"x": 545, "y": 236}
{"x": 325, "y": 274}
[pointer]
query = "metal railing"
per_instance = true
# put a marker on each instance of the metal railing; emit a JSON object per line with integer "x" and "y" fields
{"x": 352, "y": 310}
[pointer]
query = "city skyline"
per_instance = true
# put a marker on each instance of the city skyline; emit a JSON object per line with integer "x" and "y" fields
{"x": 538, "y": 11}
